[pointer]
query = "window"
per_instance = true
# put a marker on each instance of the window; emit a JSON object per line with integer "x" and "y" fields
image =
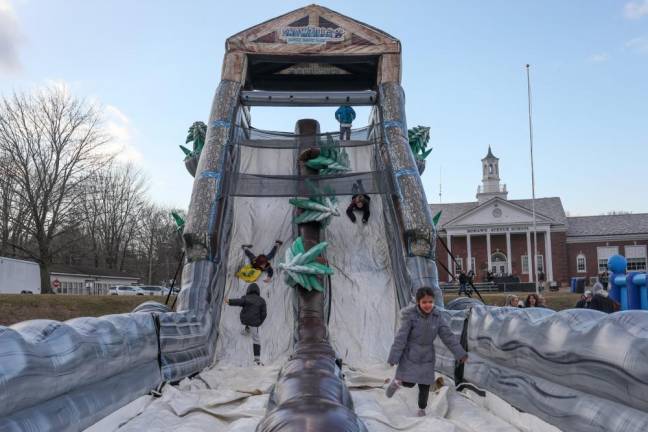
{"x": 580, "y": 264}
{"x": 602, "y": 255}
{"x": 636, "y": 256}
{"x": 490, "y": 169}
{"x": 525, "y": 263}
{"x": 459, "y": 264}
{"x": 473, "y": 267}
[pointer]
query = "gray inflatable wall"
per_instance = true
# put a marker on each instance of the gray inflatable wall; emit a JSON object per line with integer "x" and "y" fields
{"x": 580, "y": 370}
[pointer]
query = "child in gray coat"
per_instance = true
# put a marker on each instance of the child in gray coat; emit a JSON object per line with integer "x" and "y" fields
{"x": 413, "y": 347}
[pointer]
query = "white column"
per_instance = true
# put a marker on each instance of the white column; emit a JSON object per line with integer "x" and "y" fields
{"x": 449, "y": 239}
{"x": 469, "y": 250}
{"x": 488, "y": 251}
{"x": 548, "y": 258}
{"x": 508, "y": 253}
{"x": 529, "y": 257}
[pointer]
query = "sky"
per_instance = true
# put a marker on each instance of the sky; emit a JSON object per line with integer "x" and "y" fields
{"x": 154, "y": 66}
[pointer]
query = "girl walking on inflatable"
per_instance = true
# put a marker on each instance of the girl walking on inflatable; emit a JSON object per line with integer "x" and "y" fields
{"x": 413, "y": 347}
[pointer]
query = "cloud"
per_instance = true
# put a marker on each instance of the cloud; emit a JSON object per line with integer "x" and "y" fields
{"x": 638, "y": 44}
{"x": 636, "y": 9}
{"x": 120, "y": 129}
{"x": 10, "y": 39}
{"x": 599, "y": 58}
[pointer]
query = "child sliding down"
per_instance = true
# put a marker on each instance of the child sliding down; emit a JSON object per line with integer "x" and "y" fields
{"x": 413, "y": 347}
{"x": 261, "y": 262}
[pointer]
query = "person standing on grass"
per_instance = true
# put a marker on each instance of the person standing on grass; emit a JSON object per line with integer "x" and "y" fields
{"x": 413, "y": 347}
{"x": 345, "y": 115}
{"x": 253, "y": 314}
{"x": 463, "y": 281}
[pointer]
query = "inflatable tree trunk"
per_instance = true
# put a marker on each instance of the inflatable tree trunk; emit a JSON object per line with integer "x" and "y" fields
{"x": 310, "y": 393}
{"x": 311, "y": 325}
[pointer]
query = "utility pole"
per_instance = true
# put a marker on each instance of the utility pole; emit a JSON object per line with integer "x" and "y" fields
{"x": 535, "y": 231}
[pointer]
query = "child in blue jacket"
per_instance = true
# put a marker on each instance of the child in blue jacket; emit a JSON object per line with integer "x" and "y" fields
{"x": 345, "y": 115}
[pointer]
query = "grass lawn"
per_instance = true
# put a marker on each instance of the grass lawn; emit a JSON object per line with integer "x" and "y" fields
{"x": 21, "y": 307}
{"x": 556, "y": 300}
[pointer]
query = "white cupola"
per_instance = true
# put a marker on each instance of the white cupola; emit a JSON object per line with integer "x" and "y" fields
{"x": 490, "y": 186}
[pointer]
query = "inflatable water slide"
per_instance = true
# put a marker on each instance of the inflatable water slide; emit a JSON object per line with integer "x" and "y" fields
{"x": 333, "y": 303}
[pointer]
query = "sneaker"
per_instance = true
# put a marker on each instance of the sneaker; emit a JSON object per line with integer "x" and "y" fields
{"x": 392, "y": 387}
{"x": 279, "y": 242}
{"x": 246, "y": 246}
{"x": 258, "y": 362}
{"x": 420, "y": 413}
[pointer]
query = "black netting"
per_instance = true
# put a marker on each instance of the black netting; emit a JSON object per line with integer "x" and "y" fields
{"x": 253, "y": 185}
{"x": 360, "y": 134}
{"x": 294, "y": 143}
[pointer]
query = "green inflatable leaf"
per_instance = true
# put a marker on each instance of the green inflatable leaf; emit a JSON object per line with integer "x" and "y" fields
{"x": 315, "y": 283}
{"x": 298, "y": 246}
{"x": 312, "y": 253}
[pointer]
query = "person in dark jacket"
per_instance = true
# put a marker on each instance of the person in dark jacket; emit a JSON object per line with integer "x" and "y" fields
{"x": 413, "y": 347}
{"x": 601, "y": 302}
{"x": 253, "y": 314}
{"x": 585, "y": 301}
{"x": 262, "y": 262}
{"x": 463, "y": 281}
{"x": 345, "y": 115}
{"x": 359, "y": 203}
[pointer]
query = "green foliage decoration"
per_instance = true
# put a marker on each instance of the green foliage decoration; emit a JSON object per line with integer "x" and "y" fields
{"x": 302, "y": 268}
{"x": 419, "y": 137}
{"x": 196, "y": 134}
{"x": 331, "y": 160}
{"x": 318, "y": 208}
{"x": 179, "y": 220}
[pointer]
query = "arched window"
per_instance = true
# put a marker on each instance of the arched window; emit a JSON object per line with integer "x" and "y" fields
{"x": 581, "y": 263}
{"x": 498, "y": 257}
{"x": 490, "y": 168}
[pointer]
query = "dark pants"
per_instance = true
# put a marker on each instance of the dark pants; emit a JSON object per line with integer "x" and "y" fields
{"x": 345, "y": 131}
{"x": 462, "y": 288}
{"x": 424, "y": 393}
{"x": 252, "y": 257}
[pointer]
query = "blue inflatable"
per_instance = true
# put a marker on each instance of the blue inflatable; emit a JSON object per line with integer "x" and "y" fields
{"x": 630, "y": 290}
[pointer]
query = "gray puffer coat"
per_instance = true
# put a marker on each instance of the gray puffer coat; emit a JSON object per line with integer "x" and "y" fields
{"x": 413, "y": 347}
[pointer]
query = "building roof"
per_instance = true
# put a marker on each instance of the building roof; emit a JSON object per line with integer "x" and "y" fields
{"x": 90, "y": 271}
{"x": 550, "y": 207}
{"x": 607, "y": 225}
{"x": 490, "y": 154}
{"x": 361, "y": 38}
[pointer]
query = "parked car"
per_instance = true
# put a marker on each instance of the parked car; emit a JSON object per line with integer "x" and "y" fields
{"x": 125, "y": 290}
{"x": 153, "y": 290}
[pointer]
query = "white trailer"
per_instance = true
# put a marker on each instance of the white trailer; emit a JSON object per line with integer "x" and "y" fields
{"x": 18, "y": 276}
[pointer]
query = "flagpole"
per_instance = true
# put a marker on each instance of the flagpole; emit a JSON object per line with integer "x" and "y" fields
{"x": 534, "y": 260}
{"x": 439, "y": 184}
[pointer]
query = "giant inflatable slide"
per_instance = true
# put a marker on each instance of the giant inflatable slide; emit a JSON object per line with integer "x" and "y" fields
{"x": 333, "y": 304}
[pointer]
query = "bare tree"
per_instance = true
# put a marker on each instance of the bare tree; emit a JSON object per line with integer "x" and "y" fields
{"x": 159, "y": 244}
{"x": 113, "y": 208}
{"x": 52, "y": 142}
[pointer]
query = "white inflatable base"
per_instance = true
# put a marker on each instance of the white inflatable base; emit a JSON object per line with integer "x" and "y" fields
{"x": 233, "y": 399}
